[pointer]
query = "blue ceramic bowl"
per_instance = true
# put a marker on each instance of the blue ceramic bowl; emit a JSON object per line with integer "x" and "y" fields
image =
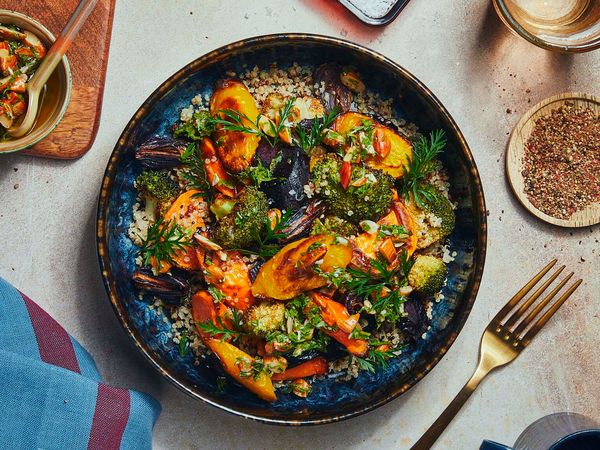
{"x": 331, "y": 399}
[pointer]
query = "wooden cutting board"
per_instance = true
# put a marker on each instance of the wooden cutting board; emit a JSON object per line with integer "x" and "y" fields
{"x": 88, "y": 55}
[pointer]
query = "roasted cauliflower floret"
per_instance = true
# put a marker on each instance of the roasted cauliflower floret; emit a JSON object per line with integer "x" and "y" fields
{"x": 265, "y": 318}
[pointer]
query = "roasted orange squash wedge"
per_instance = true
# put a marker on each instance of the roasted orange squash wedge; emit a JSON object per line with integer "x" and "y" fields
{"x": 291, "y": 271}
{"x": 398, "y": 150}
{"x": 233, "y": 359}
{"x": 236, "y": 149}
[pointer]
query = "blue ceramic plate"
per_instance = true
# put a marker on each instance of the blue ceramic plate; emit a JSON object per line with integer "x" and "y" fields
{"x": 331, "y": 400}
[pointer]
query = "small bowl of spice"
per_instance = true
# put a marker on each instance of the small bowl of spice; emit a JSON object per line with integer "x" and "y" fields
{"x": 23, "y": 44}
{"x": 553, "y": 160}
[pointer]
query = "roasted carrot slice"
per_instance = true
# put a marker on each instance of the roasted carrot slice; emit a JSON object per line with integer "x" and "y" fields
{"x": 315, "y": 366}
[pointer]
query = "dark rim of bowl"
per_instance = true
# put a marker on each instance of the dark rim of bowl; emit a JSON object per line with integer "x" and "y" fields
{"x": 516, "y": 27}
{"x": 102, "y": 237}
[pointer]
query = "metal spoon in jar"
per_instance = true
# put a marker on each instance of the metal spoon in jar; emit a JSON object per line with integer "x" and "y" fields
{"x": 40, "y": 77}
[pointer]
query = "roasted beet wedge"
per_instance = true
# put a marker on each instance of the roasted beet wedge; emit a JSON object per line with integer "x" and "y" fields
{"x": 172, "y": 287}
{"x": 160, "y": 153}
{"x": 416, "y": 322}
{"x": 291, "y": 173}
{"x": 336, "y": 95}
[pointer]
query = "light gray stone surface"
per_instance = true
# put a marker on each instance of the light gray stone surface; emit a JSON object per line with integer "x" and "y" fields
{"x": 479, "y": 71}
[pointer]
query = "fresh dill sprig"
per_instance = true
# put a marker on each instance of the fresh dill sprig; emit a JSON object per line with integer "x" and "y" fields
{"x": 379, "y": 289}
{"x": 163, "y": 241}
{"x": 307, "y": 140}
{"x": 195, "y": 172}
{"x": 232, "y": 120}
{"x": 420, "y": 166}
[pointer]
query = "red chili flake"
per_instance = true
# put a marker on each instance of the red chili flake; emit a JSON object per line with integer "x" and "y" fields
{"x": 561, "y": 164}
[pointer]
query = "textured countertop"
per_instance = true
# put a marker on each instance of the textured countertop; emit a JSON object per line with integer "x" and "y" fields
{"x": 484, "y": 75}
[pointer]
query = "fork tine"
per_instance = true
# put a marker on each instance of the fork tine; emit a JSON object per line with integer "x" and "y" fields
{"x": 524, "y": 290}
{"x": 540, "y": 307}
{"x": 514, "y": 317}
{"x": 548, "y": 314}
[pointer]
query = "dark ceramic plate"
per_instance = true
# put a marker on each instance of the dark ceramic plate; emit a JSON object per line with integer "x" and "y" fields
{"x": 331, "y": 400}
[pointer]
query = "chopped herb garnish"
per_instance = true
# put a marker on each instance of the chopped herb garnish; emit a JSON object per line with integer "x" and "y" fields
{"x": 216, "y": 293}
{"x": 184, "y": 344}
{"x": 163, "y": 241}
{"x": 195, "y": 172}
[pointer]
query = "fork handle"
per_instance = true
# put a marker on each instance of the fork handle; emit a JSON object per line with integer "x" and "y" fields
{"x": 438, "y": 427}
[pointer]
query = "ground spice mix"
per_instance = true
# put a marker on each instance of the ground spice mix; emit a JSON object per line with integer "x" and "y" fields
{"x": 561, "y": 165}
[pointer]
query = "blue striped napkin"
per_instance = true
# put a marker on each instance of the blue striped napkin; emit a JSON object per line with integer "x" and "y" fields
{"x": 51, "y": 394}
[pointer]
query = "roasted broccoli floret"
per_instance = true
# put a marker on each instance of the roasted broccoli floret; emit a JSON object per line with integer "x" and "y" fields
{"x": 246, "y": 219}
{"x": 265, "y": 318}
{"x": 427, "y": 275}
{"x": 200, "y": 126}
{"x": 334, "y": 225}
{"x": 436, "y": 220}
{"x": 157, "y": 188}
{"x": 368, "y": 196}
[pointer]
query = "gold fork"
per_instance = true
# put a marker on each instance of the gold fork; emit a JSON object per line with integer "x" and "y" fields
{"x": 504, "y": 339}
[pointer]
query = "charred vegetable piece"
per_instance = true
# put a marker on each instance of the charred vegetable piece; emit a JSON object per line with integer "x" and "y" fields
{"x": 188, "y": 212}
{"x": 336, "y": 95}
{"x": 235, "y": 148}
{"x": 390, "y": 152}
{"x": 370, "y": 200}
{"x": 302, "y": 220}
{"x": 239, "y": 365}
{"x": 236, "y": 230}
{"x": 228, "y": 272}
{"x": 335, "y": 314}
{"x": 316, "y": 366}
{"x": 427, "y": 275}
{"x": 290, "y": 174}
{"x": 440, "y": 207}
{"x": 416, "y": 322}
{"x": 170, "y": 287}
{"x": 358, "y": 347}
{"x": 334, "y": 225}
{"x": 216, "y": 174}
{"x": 160, "y": 153}
{"x": 292, "y": 270}
{"x": 351, "y": 79}
{"x": 396, "y": 228}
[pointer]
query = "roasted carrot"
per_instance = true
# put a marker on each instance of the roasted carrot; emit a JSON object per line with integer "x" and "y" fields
{"x": 216, "y": 174}
{"x": 335, "y": 314}
{"x": 235, "y": 362}
{"x": 357, "y": 347}
{"x": 315, "y": 366}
